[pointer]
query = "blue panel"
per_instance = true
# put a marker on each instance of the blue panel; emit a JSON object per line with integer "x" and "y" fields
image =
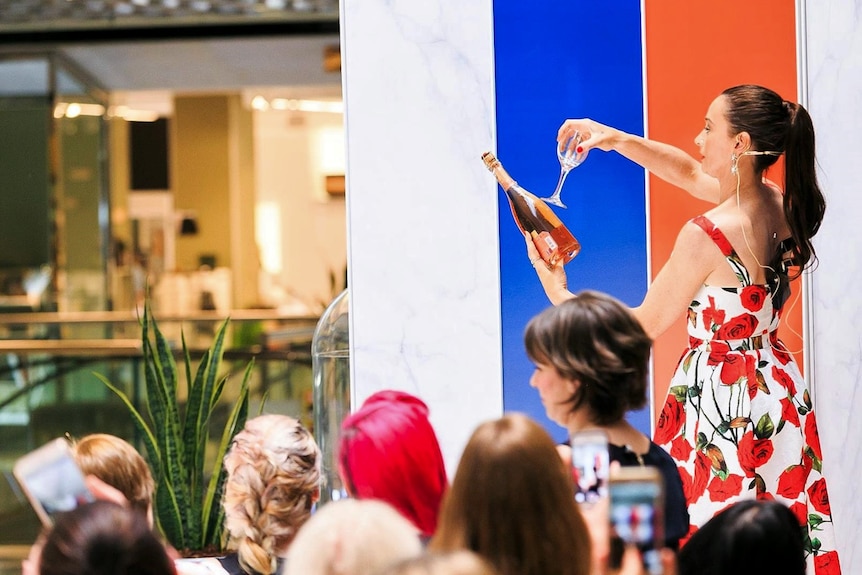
{"x": 558, "y": 60}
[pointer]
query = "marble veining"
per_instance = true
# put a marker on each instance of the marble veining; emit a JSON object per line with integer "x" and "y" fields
{"x": 422, "y": 209}
{"x": 834, "y": 62}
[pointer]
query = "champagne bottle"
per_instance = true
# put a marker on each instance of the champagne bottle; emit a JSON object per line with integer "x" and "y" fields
{"x": 554, "y": 242}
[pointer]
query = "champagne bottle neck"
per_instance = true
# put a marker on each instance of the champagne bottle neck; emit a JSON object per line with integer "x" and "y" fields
{"x": 496, "y": 168}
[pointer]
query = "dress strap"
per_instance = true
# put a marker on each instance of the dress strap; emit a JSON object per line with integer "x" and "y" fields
{"x": 720, "y": 240}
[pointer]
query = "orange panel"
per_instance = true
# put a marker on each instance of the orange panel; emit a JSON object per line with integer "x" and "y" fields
{"x": 694, "y": 50}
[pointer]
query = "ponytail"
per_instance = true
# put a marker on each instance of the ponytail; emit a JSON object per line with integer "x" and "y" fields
{"x": 775, "y": 124}
{"x": 804, "y": 204}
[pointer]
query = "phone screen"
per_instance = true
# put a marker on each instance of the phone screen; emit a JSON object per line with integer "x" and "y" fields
{"x": 54, "y": 484}
{"x": 636, "y": 518}
{"x": 591, "y": 464}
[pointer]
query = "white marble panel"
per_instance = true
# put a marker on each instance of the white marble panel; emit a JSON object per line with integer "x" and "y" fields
{"x": 422, "y": 209}
{"x": 834, "y": 66}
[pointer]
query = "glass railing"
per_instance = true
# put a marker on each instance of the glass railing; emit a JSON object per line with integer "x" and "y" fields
{"x": 48, "y": 386}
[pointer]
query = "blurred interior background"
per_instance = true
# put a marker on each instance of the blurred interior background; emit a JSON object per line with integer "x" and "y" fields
{"x": 189, "y": 151}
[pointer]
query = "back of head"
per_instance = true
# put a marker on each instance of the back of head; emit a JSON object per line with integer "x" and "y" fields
{"x": 778, "y": 125}
{"x": 273, "y": 480}
{"x": 117, "y": 463}
{"x": 103, "y": 538}
{"x": 595, "y": 339}
{"x": 749, "y": 538}
{"x": 352, "y": 537}
{"x": 462, "y": 562}
{"x": 388, "y": 450}
{"x": 512, "y": 501}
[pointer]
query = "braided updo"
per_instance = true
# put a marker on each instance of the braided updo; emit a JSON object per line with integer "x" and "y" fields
{"x": 273, "y": 469}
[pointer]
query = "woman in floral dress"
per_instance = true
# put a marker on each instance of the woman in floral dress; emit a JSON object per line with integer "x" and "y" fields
{"x": 738, "y": 418}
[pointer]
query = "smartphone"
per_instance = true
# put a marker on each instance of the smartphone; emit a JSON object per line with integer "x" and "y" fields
{"x": 51, "y": 480}
{"x": 637, "y": 514}
{"x": 591, "y": 465}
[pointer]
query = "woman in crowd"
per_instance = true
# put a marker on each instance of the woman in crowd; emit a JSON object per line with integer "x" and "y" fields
{"x": 455, "y": 563}
{"x": 352, "y": 537}
{"x": 388, "y": 451}
{"x": 114, "y": 461}
{"x": 592, "y": 364}
{"x": 512, "y": 502}
{"x": 738, "y": 418}
{"x": 114, "y": 471}
{"x": 273, "y": 480}
{"x": 748, "y": 538}
{"x": 103, "y": 538}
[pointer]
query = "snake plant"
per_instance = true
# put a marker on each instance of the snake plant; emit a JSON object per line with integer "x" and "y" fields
{"x": 188, "y": 494}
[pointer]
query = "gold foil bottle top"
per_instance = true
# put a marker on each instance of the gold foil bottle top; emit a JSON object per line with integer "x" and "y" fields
{"x": 490, "y": 160}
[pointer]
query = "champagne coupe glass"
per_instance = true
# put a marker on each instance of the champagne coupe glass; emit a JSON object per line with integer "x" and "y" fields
{"x": 569, "y": 159}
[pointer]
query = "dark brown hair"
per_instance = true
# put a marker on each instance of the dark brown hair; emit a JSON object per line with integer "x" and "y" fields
{"x": 748, "y": 537}
{"x": 103, "y": 538}
{"x": 512, "y": 502}
{"x": 775, "y": 124}
{"x": 594, "y": 339}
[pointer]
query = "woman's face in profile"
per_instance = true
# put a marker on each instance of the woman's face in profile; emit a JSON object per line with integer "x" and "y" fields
{"x": 554, "y": 391}
{"x": 714, "y": 140}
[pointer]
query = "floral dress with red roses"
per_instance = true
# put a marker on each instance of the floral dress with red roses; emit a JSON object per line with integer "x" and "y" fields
{"x": 738, "y": 417}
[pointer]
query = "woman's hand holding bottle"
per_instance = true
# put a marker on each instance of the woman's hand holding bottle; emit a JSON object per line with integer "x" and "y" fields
{"x": 553, "y": 277}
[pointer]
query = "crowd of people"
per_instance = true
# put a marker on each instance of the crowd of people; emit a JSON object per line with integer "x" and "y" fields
{"x": 737, "y": 495}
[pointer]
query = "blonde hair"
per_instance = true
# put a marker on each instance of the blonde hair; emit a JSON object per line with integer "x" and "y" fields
{"x": 117, "y": 463}
{"x": 273, "y": 479}
{"x": 352, "y": 537}
{"x": 463, "y": 562}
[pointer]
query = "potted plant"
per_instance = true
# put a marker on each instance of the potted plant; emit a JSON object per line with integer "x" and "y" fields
{"x": 187, "y": 503}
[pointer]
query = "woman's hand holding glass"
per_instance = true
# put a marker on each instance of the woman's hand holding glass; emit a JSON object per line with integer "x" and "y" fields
{"x": 570, "y": 155}
{"x": 591, "y": 134}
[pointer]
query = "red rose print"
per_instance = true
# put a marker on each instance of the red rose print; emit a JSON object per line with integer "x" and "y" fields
{"x": 791, "y": 482}
{"x": 801, "y": 511}
{"x": 739, "y": 327}
{"x": 788, "y": 412}
{"x": 680, "y": 448}
{"x": 692, "y": 529}
{"x": 778, "y": 349}
{"x": 734, "y": 368}
{"x": 753, "y": 453}
{"x": 784, "y": 379}
{"x": 687, "y": 482}
{"x": 812, "y": 436}
{"x": 753, "y": 297}
{"x": 702, "y": 465}
{"x": 669, "y": 420}
{"x": 717, "y": 351}
{"x": 694, "y": 342}
{"x": 723, "y": 490}
{"x": 827, "y": 564}
{"x": 818, "y": 497}
{"x": 756, "y": 382}
{"x": 711, "y": 315}
{"x": 765, "y": 496}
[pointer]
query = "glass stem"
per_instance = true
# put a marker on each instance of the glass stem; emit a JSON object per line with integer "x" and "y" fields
{"x": 563, "y": 173}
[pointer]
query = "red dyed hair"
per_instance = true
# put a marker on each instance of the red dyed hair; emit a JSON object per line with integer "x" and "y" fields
{"x": 389, "y": 451}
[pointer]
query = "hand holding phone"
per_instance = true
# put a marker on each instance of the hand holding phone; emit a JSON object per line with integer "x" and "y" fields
{"x": 637, "y": 515}
{"x": 51, "y": 480}
{"x": 591, "y": 465}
